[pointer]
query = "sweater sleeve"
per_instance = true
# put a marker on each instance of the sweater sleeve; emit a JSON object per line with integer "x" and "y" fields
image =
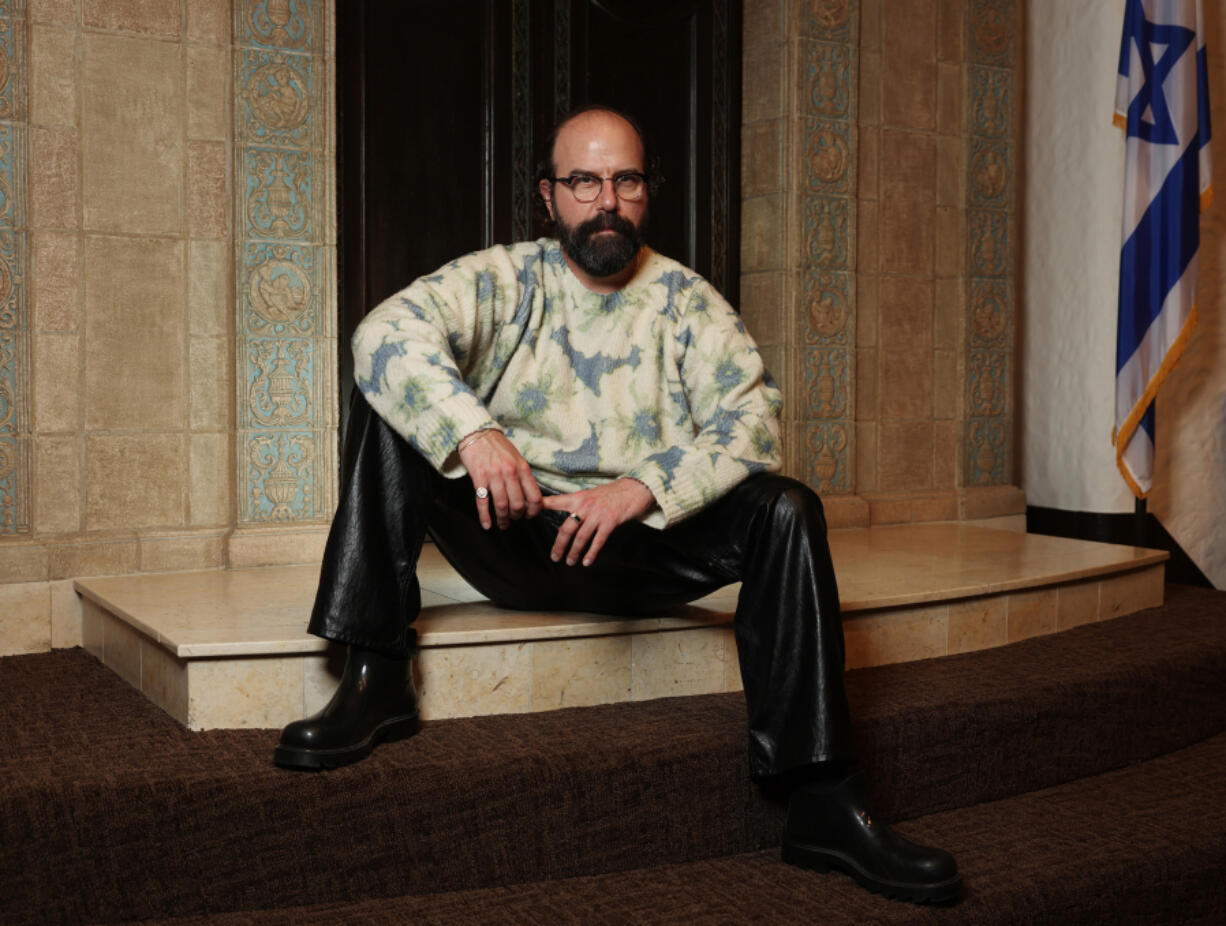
{"x": 424, "y": 357}
{"x": 733, "y": 403}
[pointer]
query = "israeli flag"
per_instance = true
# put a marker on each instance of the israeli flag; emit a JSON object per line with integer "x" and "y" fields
{"x": 1162, "y": 103}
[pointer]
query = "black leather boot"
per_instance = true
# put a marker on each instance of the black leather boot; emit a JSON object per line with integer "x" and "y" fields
{"x": 830, "y": 825}
{"x": 375, "y": 702}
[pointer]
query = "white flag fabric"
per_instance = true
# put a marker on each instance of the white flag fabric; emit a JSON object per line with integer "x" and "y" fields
{"x": 1162, "y": 103}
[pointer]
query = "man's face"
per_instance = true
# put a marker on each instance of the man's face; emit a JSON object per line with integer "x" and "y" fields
{"x": 604, "y": 236}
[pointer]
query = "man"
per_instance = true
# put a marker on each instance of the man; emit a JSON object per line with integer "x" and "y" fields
{"x": 620, "y": 436}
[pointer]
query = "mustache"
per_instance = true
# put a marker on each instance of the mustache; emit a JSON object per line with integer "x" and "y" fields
{"x": 603, "y": 221}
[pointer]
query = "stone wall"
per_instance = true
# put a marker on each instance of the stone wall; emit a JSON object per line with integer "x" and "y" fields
{"x": 173, "y": 294}
{"x": 879, "y": 247}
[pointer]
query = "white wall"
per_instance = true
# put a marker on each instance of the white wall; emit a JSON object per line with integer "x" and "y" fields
{"x": 1074, "y": 170}
{"x": 1072, "y": 208}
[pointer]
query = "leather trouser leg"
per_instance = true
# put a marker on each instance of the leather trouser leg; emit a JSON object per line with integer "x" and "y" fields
{"x": 768, "y": 532}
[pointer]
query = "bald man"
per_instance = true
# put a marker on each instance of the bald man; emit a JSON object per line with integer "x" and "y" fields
{"x": 583, "y": 424}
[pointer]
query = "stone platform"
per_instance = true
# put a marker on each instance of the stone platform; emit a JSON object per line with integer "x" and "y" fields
{"x": 228, "y": 648}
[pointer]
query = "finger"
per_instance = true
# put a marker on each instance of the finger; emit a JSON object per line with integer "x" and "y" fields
{"x": 498, "y": 495}
{"x": 532, "y": 495}
{"x": 483, "y": 504}
{"x": 515, "y": 499}
{"x": 579, "y": 543}
{"x": 596, "y": 545}
{"x": 565, "y": 532}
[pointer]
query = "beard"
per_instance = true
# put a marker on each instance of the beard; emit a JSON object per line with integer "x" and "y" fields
{"x": 601, "y": 255}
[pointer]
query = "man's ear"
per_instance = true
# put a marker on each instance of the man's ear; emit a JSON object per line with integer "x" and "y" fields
{"x": 546, "y": 190}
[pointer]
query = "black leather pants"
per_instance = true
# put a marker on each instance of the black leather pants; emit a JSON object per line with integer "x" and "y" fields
{"x": 769, "y": 533}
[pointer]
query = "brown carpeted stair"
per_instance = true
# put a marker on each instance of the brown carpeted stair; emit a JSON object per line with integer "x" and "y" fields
{"x": 109, "y": 811}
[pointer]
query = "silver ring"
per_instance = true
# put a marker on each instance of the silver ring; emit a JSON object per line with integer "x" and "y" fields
{"x": 574, "y": 517}
{"x": 483, "y": 492}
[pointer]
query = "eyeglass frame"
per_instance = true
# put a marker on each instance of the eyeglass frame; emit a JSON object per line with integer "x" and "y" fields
{"x": 643, "y": 179}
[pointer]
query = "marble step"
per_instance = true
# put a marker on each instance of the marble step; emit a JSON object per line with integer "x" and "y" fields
{"x": 228, "y": 648}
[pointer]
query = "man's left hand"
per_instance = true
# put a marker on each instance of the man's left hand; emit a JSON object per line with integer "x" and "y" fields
{"x": 599, "y": 510}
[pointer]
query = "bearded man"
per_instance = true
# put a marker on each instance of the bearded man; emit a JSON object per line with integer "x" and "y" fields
{"x": 584, "y": 424}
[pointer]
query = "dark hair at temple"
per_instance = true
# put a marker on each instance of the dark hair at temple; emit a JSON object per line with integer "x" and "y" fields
{"x": 546, "y": 169}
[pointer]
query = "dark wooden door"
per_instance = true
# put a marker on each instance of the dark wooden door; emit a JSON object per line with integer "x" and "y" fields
{"x": 444, "y": 107}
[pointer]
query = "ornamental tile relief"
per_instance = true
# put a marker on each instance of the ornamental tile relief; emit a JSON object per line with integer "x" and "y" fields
{"x": 284, "y": 280}
{"x": 992, "y": 52}
{"x": 829, "y": 79}
{"x": 828, "y": 155}
{"x": 14, "y": 254}
{"x": 276, "y": 93}
{"x": 828, "y": 307}
{"x": 828, "y": 162}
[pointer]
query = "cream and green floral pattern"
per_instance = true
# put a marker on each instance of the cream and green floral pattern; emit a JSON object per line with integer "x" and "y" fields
{"x": 658, "y": 381}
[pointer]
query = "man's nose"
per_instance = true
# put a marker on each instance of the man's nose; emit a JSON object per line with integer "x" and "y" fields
{"x": 608, "y": 195}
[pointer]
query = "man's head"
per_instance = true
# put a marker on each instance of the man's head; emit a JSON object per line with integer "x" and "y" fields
{"x": 595, "y": 186}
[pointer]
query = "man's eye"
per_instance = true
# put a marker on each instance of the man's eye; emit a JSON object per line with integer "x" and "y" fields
{"x": 582, "y": 178}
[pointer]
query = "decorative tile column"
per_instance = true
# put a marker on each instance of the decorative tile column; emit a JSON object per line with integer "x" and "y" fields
{"x": 992, "y": 62}
{"x": 14, "y": 240}
{"x": 284, "y": 260}
{"x": 823, "y": 428}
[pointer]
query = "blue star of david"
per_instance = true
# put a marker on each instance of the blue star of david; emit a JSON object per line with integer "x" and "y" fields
{"x": 1176, "y": 39}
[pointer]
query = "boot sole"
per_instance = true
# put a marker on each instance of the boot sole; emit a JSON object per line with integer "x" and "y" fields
{"x": 315, "y": 760}
{"x": 823, "y": 860}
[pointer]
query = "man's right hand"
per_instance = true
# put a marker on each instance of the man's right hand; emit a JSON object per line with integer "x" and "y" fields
{"x": 494, "y": 463}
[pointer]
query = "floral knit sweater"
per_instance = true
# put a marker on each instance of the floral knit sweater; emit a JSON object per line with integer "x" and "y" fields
{"x": 658, "y": 381}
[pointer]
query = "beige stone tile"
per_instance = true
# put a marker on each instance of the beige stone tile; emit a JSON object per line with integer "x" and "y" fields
{"x": 25, "y": 618}
{"x": 678, "y": 662}
{"x": 53, "y": 11}
{"x": 134, "y": 324}
{"x": 763, "y": 85}
{"x": 762, "y": 158}
{"x": 132, "y": 135}
{"x": 249, "y": 692}
{"x": 906, "y": 313}
{"x": 866, "y": 456}
{"x": 93, "y": 628}
{"x": 950, "y": 236}
{"x": 210, "y": 492}
{"x": 209, "y": 21}
{"x": 936, "y": 507}
{"x": 134, "y": 480}
{"x": 761, "y": 299}
{"x": 56, "y": 391}
{"x": 949, "y": 98}
{"x": 732, "y": 664}
{"x": 152, "y": 17}
{"x": 86, "y": 558}
{"x": 210, "y": 383}
{"x": 1032, "y": 613}
{"x": 57, "y": 484}
{"x": 171, "y": 554}
{"x": 208, "y": 277}
{"x": 208, "y": 94}
{"x": 904, "y": 455}
{"x": 573, "y": 673}
{"x": 909, "y": 64}
{"x": 208, "y": 199}
{"x": 1131, "y": 591}
{"x": 1077, "y": 603}
{"x": 53, "y": 76}
{"x": 889, "y": 509}
{"x": 947, "y": 314}
{"x": 164, "y": 680}
{"x": 870, "y": 24}
{"x": 907, "y": 239}
{"x": 947, "y": 454}
{"x": 55, "y": 183}
{"x": 870, "y": 88}
{"x": 762, "y": 233}
{"x": 473, "y": 681}
{"x": 945, "y": 384}
{"x": 869, "y": 163}
{"x": 868, "y": 311}
{"x": 55, "y": 287}
{"x": 903, "y": 635}
{"x": 121, "y": 649}
{"x": 979, "y": 623}
{"x": 764, "y": 22}
{"x": 866, "y": 385}
{"x": 868, "y": 235}
{"x": 276, "y": 547}
{"x": 25, "y": 562}
{"x": 66, "y": 618}
{"x": 950, "y": 16}
{"x": 992, "y": 502}
{"x": 906, "y": 384}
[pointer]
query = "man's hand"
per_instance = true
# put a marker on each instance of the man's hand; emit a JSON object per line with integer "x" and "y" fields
{"x": 493, "y": 463}
{"x": 599, "y": 510}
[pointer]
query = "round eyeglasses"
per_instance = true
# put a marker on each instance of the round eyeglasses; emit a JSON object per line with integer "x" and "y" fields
{"x": 629, "y": 186}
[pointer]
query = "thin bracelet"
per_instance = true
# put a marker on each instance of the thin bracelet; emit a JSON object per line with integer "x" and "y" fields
{"x": 472, "y": 439}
